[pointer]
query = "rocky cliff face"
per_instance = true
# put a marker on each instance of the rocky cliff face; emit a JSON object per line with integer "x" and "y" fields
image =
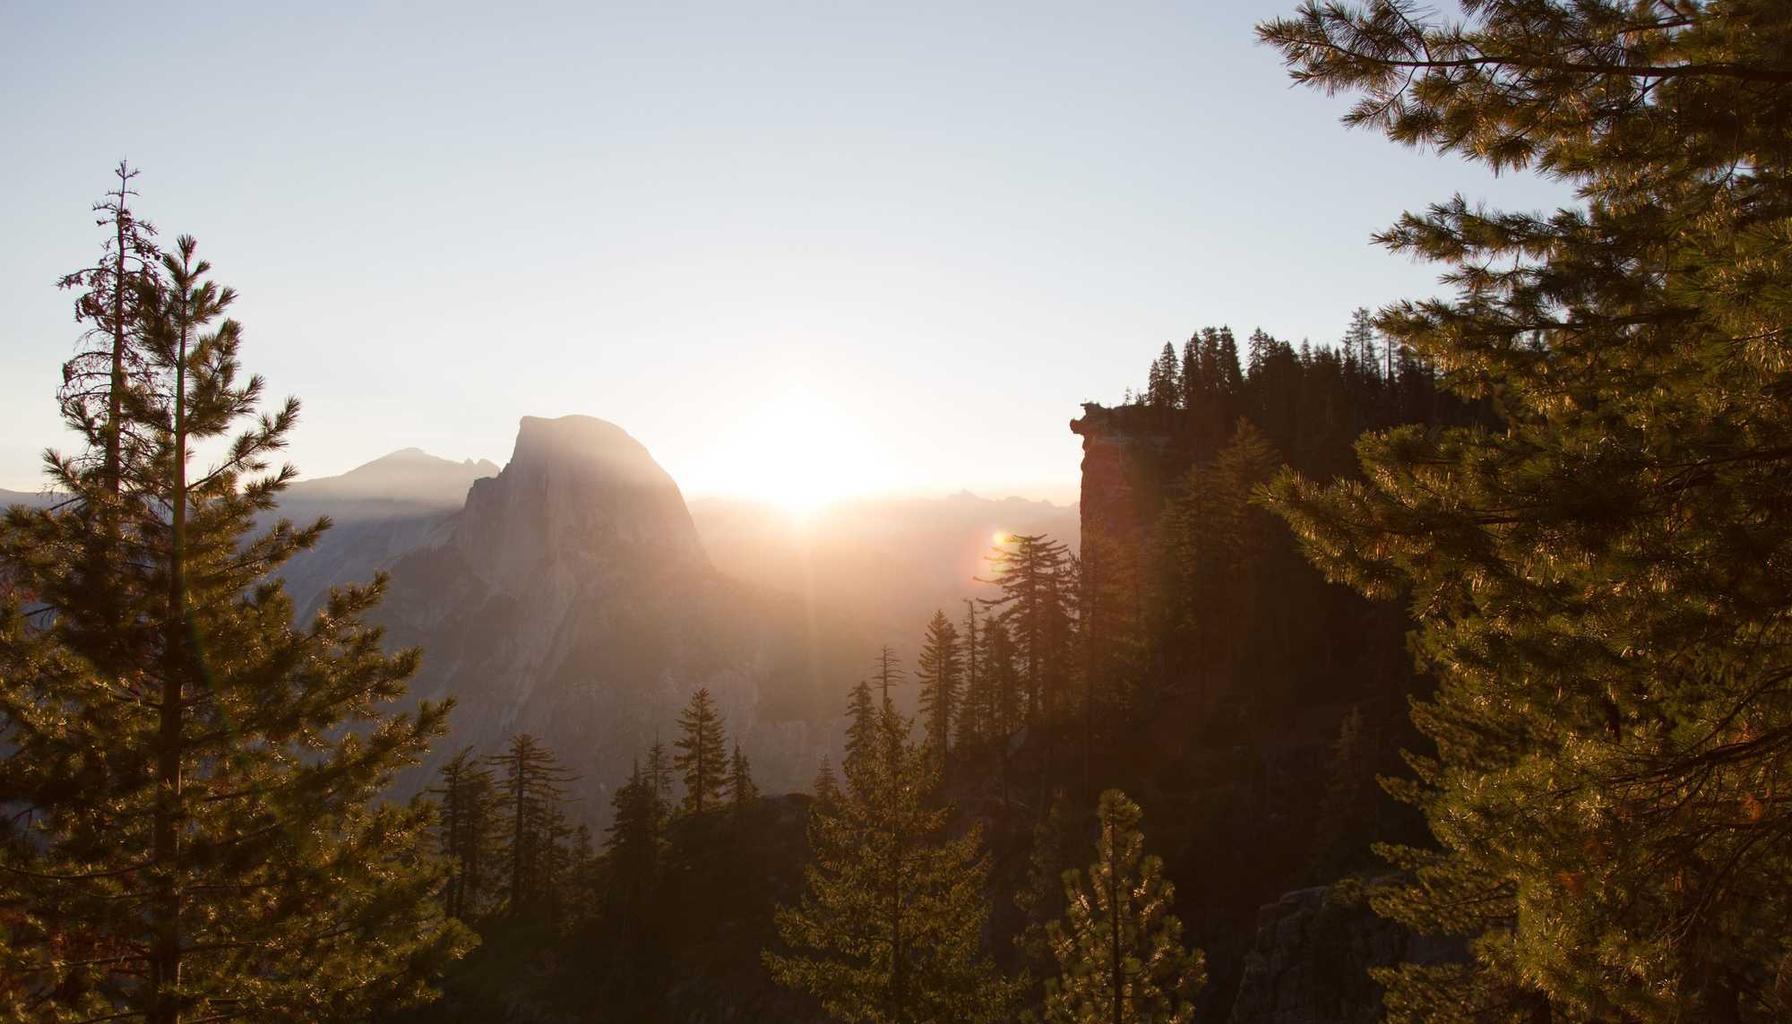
{"x": 1131, "y": 456}
{"x": 571, "y": 599}
{"x": 380, "y": 511}
{"x": 580, "y": 500}
{"x": 1311, "y": 960}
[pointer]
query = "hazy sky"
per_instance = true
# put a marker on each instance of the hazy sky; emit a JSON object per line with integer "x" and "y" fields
{"x": 837, "y": 246}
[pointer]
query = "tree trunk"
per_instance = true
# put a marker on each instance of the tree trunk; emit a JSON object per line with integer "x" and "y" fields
{"x": 165, "y": 954}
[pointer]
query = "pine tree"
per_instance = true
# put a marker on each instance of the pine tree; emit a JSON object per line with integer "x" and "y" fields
{"x": 1231, "y": 373}
{"x": 702, "y": 757}
{"x": 1060, "y": 841}
{"x": 1598, "y": 584}
{"x": 1346, "y": 813}
{"x": 888, "y": 929}
{"x": 977, "y": 707}
{"x": 1163, "y": 389}
{"x": 659, "y": 775}
{"x": 576, "y": 896}
{"x": 887, "y": 672}
{"x": 1004, "y": 678}
{"x": 861, "y": 725}
{"x": 194, "y": 828}
{"x": 1192, "y": 393}
{"x": 741, "y": 789}
{"x": 1119, "y": 949}
{"x": 467, "y": 830}
{"x": 826, "y": 786}
{"x": 111, "y": 362}
{"x": 633, "y": 844}
{"x": 1359, "y": 341}
{"x": 1034, "y": 574}
{"x": 938, "y": 670}
{"x": 1210, "y": 537}
{"x": 531, "y": 790}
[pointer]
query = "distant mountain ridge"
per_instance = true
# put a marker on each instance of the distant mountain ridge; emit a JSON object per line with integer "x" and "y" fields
{"x": 406, "y": 476}
{"x": 571, "y": 598}
{"x": 380, "y": 510}
{"x": 572, "y": 593}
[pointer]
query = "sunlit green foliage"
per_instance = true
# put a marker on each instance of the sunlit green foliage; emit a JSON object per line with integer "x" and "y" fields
{"x": 1601, "y": 584}
{"x": 1118, "y": 946}
{"x": 889, "y": 926}
{"x": 196, "y": 829}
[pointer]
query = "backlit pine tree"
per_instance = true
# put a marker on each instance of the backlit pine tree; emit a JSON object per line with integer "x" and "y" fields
{"x": 531, "y": 793}
{"x": 111, "y": 362}
{"x": 826, "y": 786}
{"x": 861, "y": 725}
{"x": 938, "y": 671}
{"x": 633, "y": 846}
{"x": 742, "y": 791}
{"x": 702, "y": 758}
{"x": 1600, "y": 585}
{"x": 978, "y": 706}
{"x": 195, "y": 828}
{"x": 1034, "y": 574}
{"x": 1118, "y": 947}
{"x": 467, "y": 832}
{"x": 1163, "y": 389}
{"x": 887, "y": 671}
{"x": 888, "y": 928}
{"x": 659, "y": 775}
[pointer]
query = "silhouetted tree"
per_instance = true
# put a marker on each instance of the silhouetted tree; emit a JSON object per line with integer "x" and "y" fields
{"x": 889, "y": 925}
{"x": 467, "y": 829}
{"x": 702, "y": 754}
{"x": 531, "y": 786}
{"x": 938, "y": 669}
{"x": 1034, "y": 574}
{"x": 861, "y": 725}
{"x": 194, "y": 827}
{"x": 741, "y": 789}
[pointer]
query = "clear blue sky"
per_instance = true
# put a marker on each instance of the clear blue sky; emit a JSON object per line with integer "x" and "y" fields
{"x": 927, "y": 230}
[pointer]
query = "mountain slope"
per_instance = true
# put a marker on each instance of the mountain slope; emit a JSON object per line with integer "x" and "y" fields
{"x": 572, "y": 599}
{"x": 380, "y": 511}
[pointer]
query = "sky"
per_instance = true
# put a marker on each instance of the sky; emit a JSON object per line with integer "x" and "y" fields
{"x": 817, "y": 248}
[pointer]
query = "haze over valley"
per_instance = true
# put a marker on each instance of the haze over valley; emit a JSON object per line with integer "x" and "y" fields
{"x": 1268, "y": 512}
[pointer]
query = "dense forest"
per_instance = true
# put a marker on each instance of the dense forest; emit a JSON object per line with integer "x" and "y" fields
{"x": 1435, "y": 673}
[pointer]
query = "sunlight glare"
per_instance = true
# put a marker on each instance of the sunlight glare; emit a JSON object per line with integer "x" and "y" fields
{"x": 797, "y": 452}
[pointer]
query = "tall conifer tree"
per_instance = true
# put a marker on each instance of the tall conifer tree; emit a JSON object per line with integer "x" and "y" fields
{"x": 468, "y": 832}
{"x": 1034, "y": 573}
{"x": 887, "y": 671}
{"x": 1119, "y": 949}
{"x": 888, "y": 930}
{"x": 197, "y": 832}
{"x": 1163, "y": 388}
{"x": 111, "y": 362}
{"x": 633, "y": 843}
{"x": 742, "y": 791}
{"x": 861, "y": 725}
{"x": 826, "y": 786}
{"x": 974, "y": 719}
{"x": 532, "y": 791}
{"x": 1600, "y": 585}
{"x": 702, "y": 754}
{"x": 938, "y": 669}
{"x": 659, "y": 774}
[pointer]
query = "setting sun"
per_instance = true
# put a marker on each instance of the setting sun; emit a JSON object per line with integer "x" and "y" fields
{"x": 796, "y": 451}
